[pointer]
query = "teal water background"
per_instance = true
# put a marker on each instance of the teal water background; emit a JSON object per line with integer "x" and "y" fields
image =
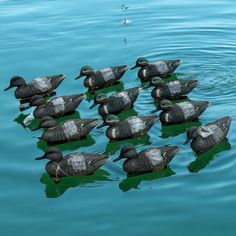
{"x": 194, "y": 196}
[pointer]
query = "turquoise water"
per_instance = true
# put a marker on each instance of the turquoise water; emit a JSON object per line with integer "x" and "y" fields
{"x": 194, "y": 196}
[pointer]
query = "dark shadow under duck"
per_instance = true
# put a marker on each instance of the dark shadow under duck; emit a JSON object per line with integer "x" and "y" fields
{"x": 171, "y": 90}
{"x": 133, "y": 126}
{"x": 204, "y": 159}
{"x": 67, "y": 131}
{"x": 204, "y": 137}
{"x": 101, "y": 78}
{"x": 54, "y": 190}
{"x": 133, "y": 182}
{"x": 55, "y": 107}
{"x": 148, "y": 160}
{"x": 117, "y": 102}
{"x": 186, "y": 111}
{"x": 74, "y": 164}
{"x": 39, "y": 86}
{"x": 161, "y": 68}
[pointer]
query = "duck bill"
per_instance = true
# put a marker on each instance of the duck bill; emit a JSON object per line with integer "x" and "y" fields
{"x": 40, "y": 158}
{"x": 102, "y": 125}
{"x": 155, "y": 110}
{"x": 187, "y": 141}
{"x": 134, "y": 67}
{"x": 93, "y": 105}
{"x": 7, "y": 88}
{"x": 148, "y": 85}
{"x": 117, "y": 159}
{"x": 23, "y": 108}
{"x": 78, "y": 77}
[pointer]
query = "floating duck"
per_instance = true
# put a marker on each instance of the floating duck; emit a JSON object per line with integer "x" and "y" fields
{"x": 55, "y": 107}
{"x": 151, "y": 159}
{"x": 161, "y": 68}
{"x": 67, "y": 131}
{"x": 180, "y": 112}
{"x": 207, "y": 136}
{"x": 74, "y": 164}
{"x": 133, "y": 126}
{"x": 117, "y": 102}
{"x": 38, "y": 86}
{"x": 101, "y": 78}
{"x": 172, "y": 90}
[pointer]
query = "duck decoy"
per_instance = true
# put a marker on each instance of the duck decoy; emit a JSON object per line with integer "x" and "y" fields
{"x": 101, "y": 78}
{"x": 67, "y": 131}
{"x": 180, "y": 112}
{"x": 55, "y": 107}
{"x": 171, "y": 90}
{"x": 38, "y": 86}
{"x": 74, "y": 164}
{"x": 161, "y": 68}
{"x": 205, "y": 137}
{"x": 148, "y": 160}
{"x": 133, "y": 126}
{"x": 117, "y": 102}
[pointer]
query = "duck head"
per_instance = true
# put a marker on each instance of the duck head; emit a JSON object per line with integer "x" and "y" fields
{"x": 16, "y": 81}
{"x": 99, "y": 99}
{"x": 52, "y": 154}
{"x": 192, "y": 133}
{"x": 155, "y": 81}
{"x": 110, "y": 120}
{"x": 35, "y": 101}
{"x": 85, "y": 71}
{"x": 141, "y": 62}
{"x": 164, "y": 105}
{"x": 46, "y": 122}
{"x": 127, "y": 152}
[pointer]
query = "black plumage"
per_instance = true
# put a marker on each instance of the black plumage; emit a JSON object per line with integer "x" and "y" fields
{"x": 74, "y": 164}
{"x": 203, "y": 138}
{"x": 117, "y": 102}
{"x": 151, "y": 159}
{"x": 55, "y": 107}
{"x": 101, "y": 78}
{"x": 67, "y": 131}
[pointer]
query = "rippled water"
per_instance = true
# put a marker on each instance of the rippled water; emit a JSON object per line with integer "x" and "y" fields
{"x": 193, "y": 195}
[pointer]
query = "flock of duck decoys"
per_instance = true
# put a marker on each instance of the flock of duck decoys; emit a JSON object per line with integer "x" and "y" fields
{"x": 166, "y": 94}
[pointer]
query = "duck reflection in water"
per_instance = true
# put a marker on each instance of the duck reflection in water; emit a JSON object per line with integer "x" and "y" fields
{"x": 27, "y": 121}
{"x": 175, "y": 130}
{"x": 112, "y": 148}
{"x": 203, "y": 160}
{"x": 54, "y": 190}
{"x": 118, "y": 86}
{"x": 73, "y": 145}
{"x": 133, "y": 182}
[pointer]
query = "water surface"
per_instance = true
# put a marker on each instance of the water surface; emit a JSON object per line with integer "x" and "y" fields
{"x": 193, "y": 195}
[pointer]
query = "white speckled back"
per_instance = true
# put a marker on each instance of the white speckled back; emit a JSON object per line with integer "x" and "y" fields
{"x": 77, "y": 162}
{"x": 123, "y": 95}
{"x": 187, "y": 108}
{"x": 161, "y": 66}
{"x": 154, "y": 155}
{"x": 108, "y": 74}
{"x": 206, "y": 131}
{"x": 70, "y": 128}
{"x": 43, "y": 84}
{"x": 136, "y": 124}
{"x": 174, "y": 87}
{"x": 59, "y": 104}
